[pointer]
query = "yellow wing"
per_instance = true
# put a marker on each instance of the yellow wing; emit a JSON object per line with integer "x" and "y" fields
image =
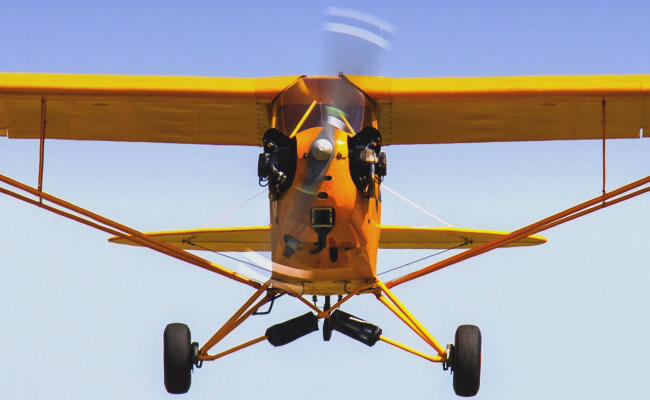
{"x": 168, "y": 109}
{"x": 495, "y": 109}
{"x": 409, "y": 237}
{"x": 236, "y": 110}
{"x": 258, "y": 238}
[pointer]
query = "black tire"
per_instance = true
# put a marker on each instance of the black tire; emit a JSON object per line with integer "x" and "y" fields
{"x": 327, "y": 330}
{"x": 177, "y": 358}
{"x": 466, "y": 360}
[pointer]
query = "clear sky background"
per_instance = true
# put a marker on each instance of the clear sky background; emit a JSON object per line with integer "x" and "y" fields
{"x": 82, "y": 318}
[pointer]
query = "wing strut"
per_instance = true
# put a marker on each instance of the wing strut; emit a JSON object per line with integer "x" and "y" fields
{"x": 106, "y": 225}
{"x": 595, "y": 204}
{"x": 604, "y": 123}
{"x": 41, "y": 149}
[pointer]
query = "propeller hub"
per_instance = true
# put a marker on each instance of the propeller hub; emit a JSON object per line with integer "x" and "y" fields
{"x": 321, "y": 149}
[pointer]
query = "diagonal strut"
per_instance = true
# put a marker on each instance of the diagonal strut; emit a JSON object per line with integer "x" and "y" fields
{"x": 595, "y": 204}
{"x": 104, "y": 224}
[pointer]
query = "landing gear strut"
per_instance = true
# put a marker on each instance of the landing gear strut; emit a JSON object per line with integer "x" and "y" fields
{"x": 463, "y": 357}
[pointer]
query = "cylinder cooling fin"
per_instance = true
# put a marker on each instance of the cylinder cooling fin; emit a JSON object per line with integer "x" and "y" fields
{"x": 367, "y": 161}
{"x": 276, "y": 166}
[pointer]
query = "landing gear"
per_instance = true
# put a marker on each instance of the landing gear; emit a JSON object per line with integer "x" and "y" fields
{"x": 465, "y": 360}
{"x": 178, "y": 357}
{"x": 463, "y": 357}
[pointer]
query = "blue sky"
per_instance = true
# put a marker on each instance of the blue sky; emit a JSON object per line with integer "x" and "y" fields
{"x": 84, "y": 318}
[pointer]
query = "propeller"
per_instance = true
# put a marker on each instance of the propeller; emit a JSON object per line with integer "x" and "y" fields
{"x": 355, "y": 42}
{"x": 266, "y": 263}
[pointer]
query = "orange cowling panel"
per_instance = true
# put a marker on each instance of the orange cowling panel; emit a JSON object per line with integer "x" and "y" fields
{"x": 497, "y": 109}
{"x": 354, "y": 234}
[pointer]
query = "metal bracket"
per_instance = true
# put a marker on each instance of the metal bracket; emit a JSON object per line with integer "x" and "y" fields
{"x": 275, "y": 296}
{"x": 449, "y": 362}
{"x": 195, "y": 355}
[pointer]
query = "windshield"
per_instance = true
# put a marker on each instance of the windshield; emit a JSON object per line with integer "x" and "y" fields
{"x": 337, "y": 102}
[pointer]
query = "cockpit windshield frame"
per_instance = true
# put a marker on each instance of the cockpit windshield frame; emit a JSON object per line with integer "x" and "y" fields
{"x": 338, "y": 103}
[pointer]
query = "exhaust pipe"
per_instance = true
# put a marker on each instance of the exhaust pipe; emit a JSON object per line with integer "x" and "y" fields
{"x": 354, "y": 327}
{"x": 288, "y": 331}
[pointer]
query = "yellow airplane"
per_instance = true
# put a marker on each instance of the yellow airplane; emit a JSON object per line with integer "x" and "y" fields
{"x": 322, "y": 161}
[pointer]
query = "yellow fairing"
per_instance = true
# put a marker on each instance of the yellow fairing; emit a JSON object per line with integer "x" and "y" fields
{"x": 258, "y": 238}
{"x": 494, "y": 109}
{"x": 167, "y": 109}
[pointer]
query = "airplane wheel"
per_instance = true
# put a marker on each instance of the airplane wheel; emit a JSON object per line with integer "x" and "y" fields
{"x": 327, "y": 328}
{"x": 466, "y": 360}
{"x": 177, "y": 358}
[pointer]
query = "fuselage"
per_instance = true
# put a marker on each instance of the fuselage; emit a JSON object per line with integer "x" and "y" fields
{"x": 325, "y": 204}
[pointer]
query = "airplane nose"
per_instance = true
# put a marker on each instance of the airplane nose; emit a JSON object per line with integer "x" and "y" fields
{"x": 321, "y": 149}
